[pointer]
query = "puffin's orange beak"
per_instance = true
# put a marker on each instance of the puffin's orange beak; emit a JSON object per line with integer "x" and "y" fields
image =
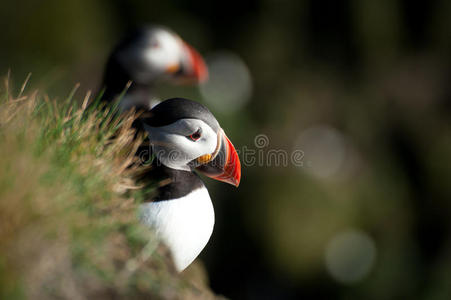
{"x": 197, "y": 68}
{"x": 225, "y": 166}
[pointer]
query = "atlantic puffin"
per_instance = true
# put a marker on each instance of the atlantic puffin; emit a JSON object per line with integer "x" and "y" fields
{"x": 146, "y": 56}
{"x": 185, "y": 138}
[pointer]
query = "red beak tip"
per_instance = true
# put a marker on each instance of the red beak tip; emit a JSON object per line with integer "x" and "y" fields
{"x": 200, "y": 70}
{"x": 234, "y": 165}
{"x": 235, "y": 181}
{"x": 203, "y": 76}
{"x": 230, "y": 170}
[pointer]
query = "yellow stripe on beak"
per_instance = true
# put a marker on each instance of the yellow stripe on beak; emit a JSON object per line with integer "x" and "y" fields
{"x": 172, "y": 68}
{"x": 204, "y": 159}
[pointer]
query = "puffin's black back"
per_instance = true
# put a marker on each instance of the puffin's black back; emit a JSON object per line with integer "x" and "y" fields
{"x": 116, "y": 76}
{"x": 165, "y": 113}
{"x": 115, "y": 79}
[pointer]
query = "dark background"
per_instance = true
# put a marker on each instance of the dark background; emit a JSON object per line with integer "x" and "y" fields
{"x": 361, "y": 87}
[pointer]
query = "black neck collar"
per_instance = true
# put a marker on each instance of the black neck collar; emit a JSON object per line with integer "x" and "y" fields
{"x": 171, "y": 183}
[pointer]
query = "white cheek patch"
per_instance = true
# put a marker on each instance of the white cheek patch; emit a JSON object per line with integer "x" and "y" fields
{"x": 167, "y": 53}
{"x": 208, "y": 140}
{"x": 146, "y": 62}
{"x": 173, "y": 147}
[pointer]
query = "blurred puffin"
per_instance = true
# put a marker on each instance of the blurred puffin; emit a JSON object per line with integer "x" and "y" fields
{"x": 146, "y": 56}
{"x": 185, "y": 137}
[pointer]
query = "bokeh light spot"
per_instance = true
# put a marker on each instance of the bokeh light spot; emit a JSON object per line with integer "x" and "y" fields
{"x": 229, "y": 86}
{"x": 350, "y": 256}
{"x": 324, "y": 148}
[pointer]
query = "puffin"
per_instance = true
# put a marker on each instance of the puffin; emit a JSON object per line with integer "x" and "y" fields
{"x": 146, "y": 56}
{"x": 186, "y": 140}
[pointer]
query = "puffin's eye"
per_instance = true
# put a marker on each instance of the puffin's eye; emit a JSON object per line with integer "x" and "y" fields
{"x": 195, "y": 136}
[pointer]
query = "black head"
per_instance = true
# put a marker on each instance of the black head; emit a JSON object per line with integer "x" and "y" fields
{"x": 185, "y": 135}
{"x": 172, "y": 110}
{"x": 149, "y": 54}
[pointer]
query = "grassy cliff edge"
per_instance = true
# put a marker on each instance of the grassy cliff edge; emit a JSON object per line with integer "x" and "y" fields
{"x": 68, "y": 226}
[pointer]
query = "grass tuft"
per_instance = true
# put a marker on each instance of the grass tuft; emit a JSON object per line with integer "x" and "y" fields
{"x": 68, "y": 200}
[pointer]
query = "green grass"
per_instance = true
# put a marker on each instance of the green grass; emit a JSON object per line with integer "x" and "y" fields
{"x": 68, "y": 200}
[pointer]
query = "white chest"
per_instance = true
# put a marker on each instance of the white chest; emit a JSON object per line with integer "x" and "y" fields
{"x": 184, "y": 224}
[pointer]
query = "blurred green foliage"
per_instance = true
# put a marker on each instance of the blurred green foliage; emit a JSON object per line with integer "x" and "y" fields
{"x": 378, "y": 72}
